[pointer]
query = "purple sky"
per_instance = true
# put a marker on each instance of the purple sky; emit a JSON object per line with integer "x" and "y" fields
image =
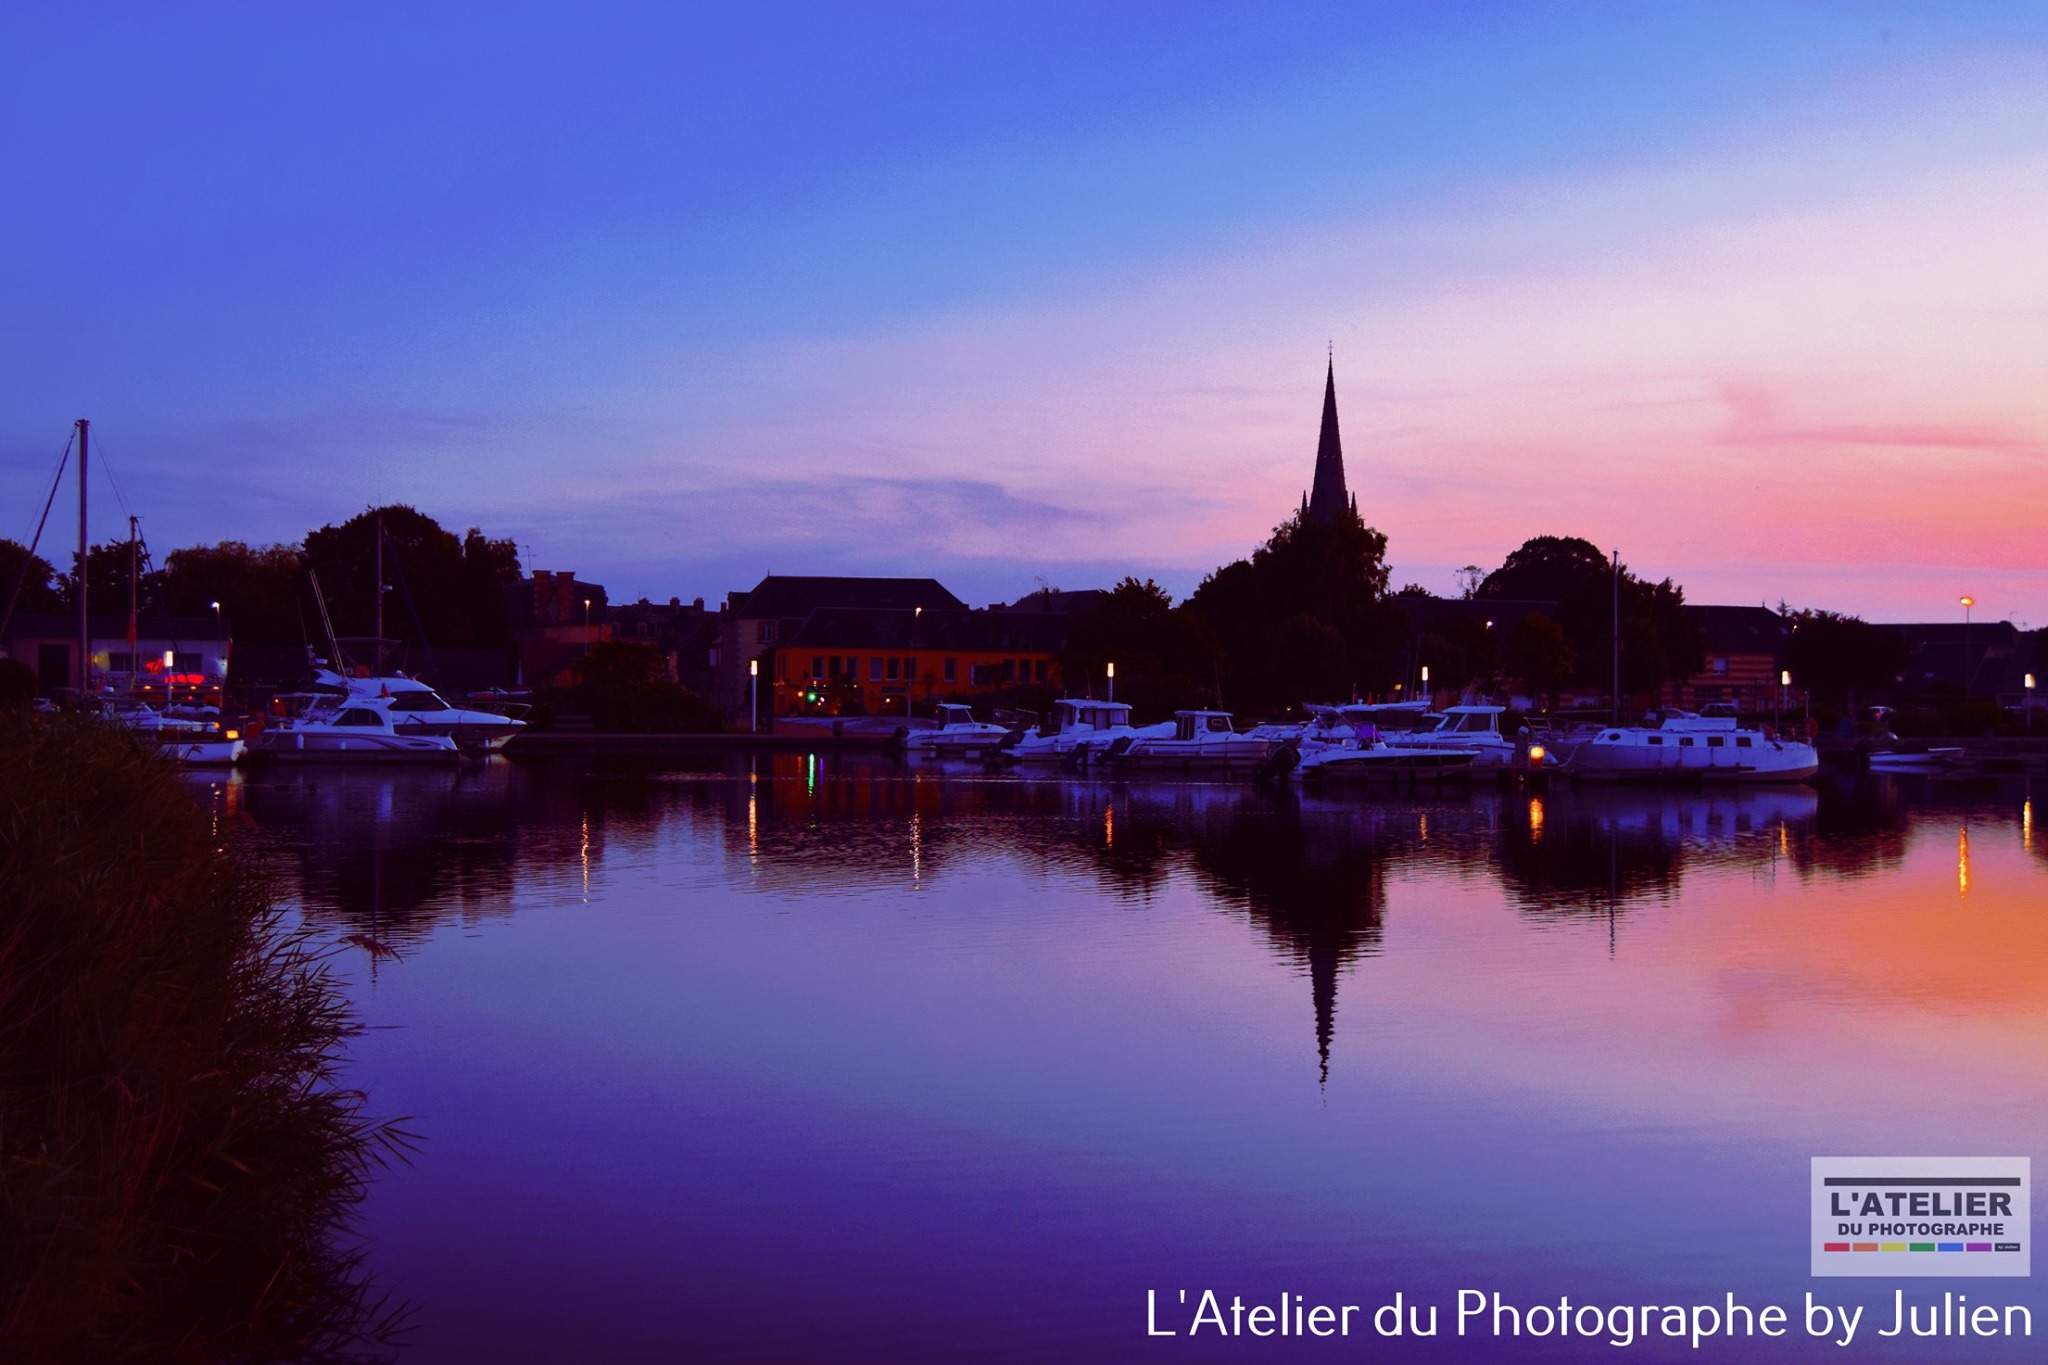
{"x": 679, "y": 297}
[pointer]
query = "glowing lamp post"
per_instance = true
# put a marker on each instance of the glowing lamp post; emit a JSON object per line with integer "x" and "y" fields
{"x": 1784, "y": 684}
{"x": 2030, "y": 703}
{"x": 1112, "y": 681}
{"x": 1425, "y": 682}
{"x": 1969, "y": 678}
{"x": 753, "y": 694}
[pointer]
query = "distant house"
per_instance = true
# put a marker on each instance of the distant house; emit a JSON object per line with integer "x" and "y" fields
{"x": 882, "y": 661}
{"x": 1746, "y": 653}
{"x": 684, "y": 632}
{"x": 752, "y": 625}
{"x": 1985, "y": 659}
{"x": 555, "y": 618}
{"x": 170, "y": 651}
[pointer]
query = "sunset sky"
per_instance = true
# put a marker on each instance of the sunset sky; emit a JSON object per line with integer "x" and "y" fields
{"x": 678, "y": 296}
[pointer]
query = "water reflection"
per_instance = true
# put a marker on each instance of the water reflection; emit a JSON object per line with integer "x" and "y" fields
{"x": 390, "y": 854}
{"x": 811, "y": 1008}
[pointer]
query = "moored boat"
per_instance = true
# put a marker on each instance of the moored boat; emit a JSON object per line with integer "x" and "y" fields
{"x": 351, "y": 729}
{"x": 1691, "y": 748}
{"x": 1199, "y": 739}
{"x": 957, "y": 735}
{"x": 1080, "y": 730}
{"x": 417, "y": 709}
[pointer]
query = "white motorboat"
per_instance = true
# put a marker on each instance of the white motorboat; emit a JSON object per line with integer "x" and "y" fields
{"x": 1374, "y": 760}
{"x": 418, "y": 709}
{"x": 957, "y": 735}
{"x": 1477, "y": 728}
{"x": 352, "y": 729}
{"x": 1081, "y": 730}
{"x": 1199, "y": 739}
{"x": 182, "y": 739}
{"x": 1690, "y": 748}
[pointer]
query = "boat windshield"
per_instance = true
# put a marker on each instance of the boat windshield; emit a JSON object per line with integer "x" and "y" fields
{"x": 419, "y": 701}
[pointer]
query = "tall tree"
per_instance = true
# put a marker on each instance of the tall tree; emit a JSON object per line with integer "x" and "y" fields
{"x": 1837, "y": 658}
{"x": 259, "y": 588}
{"x": 1659, "y": 642}
{"x": 1332, "y": 576}
{"x": 438, "y": 590}
{"x": 36, "y": 577}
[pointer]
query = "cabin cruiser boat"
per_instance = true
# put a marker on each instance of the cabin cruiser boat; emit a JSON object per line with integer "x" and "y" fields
{"x": 1080, "y": 729}
{"x": 957, "y": 734}
{"x": 1691, "y": 748}
{"x": 1477, "y": 728}
{"x": 1199, "y": 739}
{"x": 1374, "y": 760}
{"x": 418, "y": 709}
{"x": 352, "y": 729}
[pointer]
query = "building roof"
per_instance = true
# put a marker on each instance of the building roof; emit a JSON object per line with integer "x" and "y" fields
{"x": 1741, "y": 630}
{"x": 853, "y": 628}
{"x": 1327, "y": 500}
{"x": 1054, "y": 602}
{"x": 795, "y": 597}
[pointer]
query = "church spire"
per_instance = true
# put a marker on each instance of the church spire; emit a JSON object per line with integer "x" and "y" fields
{"x": 1328, "y": 500}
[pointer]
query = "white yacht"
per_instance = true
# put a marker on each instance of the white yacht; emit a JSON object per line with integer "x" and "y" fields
{"x": 1199, "y": 739}
{"x": 1477, "y": 728}
{"x": 1373, "y": 760}
{"x": 418, "y": 709}
{"x": 957, "y": 735}
{"x": 1691, "y": 748}
{"x": 351, "y": 729}
{"x": 1080, "y": 730}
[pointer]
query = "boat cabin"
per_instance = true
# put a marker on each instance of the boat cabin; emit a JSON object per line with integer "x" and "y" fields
{"x": 1202, "y": 724}
{"x": 954, "y": 713}
{"x": 1091, "y": 715}
{"x": 1470, "y": 720}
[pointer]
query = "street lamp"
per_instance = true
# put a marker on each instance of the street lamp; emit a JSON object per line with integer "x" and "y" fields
{"x": 1784, "y": 683}
{"x": 1425, "y": 682}
{"x": 753, "y": 694}
{"x": 1112, "y": 681}
{"x": 1969, "y": 674}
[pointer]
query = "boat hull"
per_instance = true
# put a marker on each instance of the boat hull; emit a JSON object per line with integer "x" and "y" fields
{"x": 301, "y": 747}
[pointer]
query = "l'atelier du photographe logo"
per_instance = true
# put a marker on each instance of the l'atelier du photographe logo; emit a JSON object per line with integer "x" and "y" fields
{"x": 1921, "y": 1216}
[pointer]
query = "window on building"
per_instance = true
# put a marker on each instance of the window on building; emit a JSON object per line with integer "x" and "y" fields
{"x": 1720, "y": 665}
{"x": 817, "y": 665}
{"x": 1041, "y": 670}
{"x": 952, "y": 670}
{"x": 875, "y": 668}
{"x": 767, "y": 633}
{"x": 910, "y": 670}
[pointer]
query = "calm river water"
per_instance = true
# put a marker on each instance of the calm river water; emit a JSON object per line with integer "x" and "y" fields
{"x": 829, "y": 1058}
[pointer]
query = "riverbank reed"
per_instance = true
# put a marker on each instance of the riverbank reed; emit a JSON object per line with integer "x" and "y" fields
{"x": 178, "y": 1160}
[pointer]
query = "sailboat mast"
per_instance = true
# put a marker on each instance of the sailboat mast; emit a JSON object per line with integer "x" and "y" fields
{"x": 378, "y": 631}
{"x": 134, "y": 578}
{"x": 1617, "y": 637}
{"x": 84, "y": 624}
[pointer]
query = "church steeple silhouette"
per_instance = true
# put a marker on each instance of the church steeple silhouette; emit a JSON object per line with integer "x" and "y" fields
{"x": 1327, "y": 500}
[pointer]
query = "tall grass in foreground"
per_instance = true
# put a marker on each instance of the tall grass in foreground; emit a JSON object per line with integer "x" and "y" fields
{"x": 176, "y": 1160}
